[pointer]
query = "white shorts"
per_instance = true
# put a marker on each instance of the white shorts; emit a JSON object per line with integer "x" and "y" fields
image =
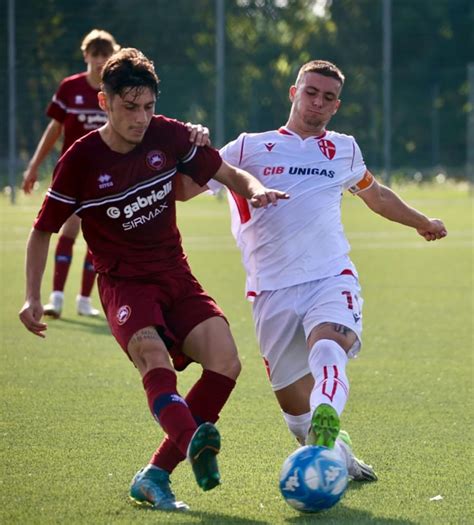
{"x": 284, "y": 319}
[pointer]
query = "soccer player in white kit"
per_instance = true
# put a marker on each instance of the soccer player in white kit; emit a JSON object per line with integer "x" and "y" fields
{"x": 307, "y": 303}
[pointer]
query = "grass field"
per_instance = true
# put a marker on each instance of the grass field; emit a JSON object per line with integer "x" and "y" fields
{"x": 75, "y": 426}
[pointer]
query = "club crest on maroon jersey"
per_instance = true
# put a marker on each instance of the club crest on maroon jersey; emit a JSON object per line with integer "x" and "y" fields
{"x": 123, "y": 314}
{"x": 328, "y": 149}
{"x": 155, "y": 159}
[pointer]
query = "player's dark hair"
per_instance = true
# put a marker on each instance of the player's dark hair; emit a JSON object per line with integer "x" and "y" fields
{"x": 129, "y": 69}
{"x": 322, "y": 67}
{"x": 99, "y": 42}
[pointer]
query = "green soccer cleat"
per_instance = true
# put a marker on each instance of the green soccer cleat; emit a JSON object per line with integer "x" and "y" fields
{"x": 324, "y": 427}
{"x": 151, "y": 488}
{"x": 202, "y": 451}
{"x": 357, "y": 469}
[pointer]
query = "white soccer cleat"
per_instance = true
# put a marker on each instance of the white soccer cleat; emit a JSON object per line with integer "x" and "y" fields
{"x": 84, "y": 307}
{"x": 55, "y": 305}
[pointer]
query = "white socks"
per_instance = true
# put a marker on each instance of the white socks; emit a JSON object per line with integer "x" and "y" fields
{"x": 327, "y": 362}
{"x": 298, "y": 425}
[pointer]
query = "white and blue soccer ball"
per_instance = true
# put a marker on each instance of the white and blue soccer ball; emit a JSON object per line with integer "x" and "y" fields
{"x": 313, "y": 478}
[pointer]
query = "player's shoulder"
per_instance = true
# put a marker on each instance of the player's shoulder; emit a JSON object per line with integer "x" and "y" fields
{"x": 167, "y": 131}
{"x": 252, "y": 140}
{"x": 261, "y": 136}
{"x": 345, "y": 145}
{"x": 164, "y": 122}
{"x": 85, "y": 147}
{"x": 77, "y": 78}
{"x": 337, "y": 136}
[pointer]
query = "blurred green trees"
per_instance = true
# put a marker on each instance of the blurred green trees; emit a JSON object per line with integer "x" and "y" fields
{"x": 266, "y": 42}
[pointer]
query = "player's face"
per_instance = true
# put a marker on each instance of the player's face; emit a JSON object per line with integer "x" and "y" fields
{"x": 95, "y": 63}
{"x": 129, "y": 115}
{"x": 315, "y": 99}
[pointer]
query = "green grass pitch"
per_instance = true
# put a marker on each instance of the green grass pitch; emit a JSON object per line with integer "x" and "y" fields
{"x": 75, "y": 425}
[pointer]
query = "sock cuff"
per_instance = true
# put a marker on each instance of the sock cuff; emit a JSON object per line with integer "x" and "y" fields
{"x": 163, "y": 376}
{"x": 301, "y": 418}
{"x": 216, "y": 377}
{"x": 328, "y": 345}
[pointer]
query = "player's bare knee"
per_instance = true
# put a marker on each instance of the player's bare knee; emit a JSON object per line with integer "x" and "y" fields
{"x": 147, "y": 350}
{"x": 228, "y": 365}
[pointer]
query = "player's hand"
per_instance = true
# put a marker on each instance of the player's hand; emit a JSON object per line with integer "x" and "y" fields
{"x": 263, "y": 198}
{"x": 198, "y": 134}
{"x": 435, "y": 230}
{"x": 30, "y": 315}
{"x": 29, "y": 179}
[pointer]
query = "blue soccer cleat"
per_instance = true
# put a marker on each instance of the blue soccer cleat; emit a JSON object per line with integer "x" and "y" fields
{"x": 151, "y": 487}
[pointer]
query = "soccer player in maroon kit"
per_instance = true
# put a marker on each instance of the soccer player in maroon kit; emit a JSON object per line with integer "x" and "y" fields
{"x": 121, "y": 181}
{"x": 74, "y": 111}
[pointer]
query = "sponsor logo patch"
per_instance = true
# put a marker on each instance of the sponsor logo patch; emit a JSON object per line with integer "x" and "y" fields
{"x": 113, "y": 212}
{"x": 105, "y": 181}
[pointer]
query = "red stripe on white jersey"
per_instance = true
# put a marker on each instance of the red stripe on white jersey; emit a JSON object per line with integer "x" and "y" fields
{"x": 242, "y": 207}
{"x": 267, "y": 366}
{"x": 242, "y": 150}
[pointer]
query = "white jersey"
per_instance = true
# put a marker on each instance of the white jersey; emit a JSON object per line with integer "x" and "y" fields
{"x": 301, "y": 239}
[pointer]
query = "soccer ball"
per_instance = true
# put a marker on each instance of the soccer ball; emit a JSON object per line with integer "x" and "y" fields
{"x": 313, "y": 478}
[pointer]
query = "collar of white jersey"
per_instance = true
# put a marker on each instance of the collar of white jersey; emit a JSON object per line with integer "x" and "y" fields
{"x": 283, "y": 130}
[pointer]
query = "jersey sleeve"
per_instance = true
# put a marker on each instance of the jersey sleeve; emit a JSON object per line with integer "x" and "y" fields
{"x": 232, "y": 154}
{"x": 357, "y": 167}
{"x": 363, "y": 184}
{"x": 200, "y": 163}
{"x": 62, "y": 197}
{"x": 233, "y": 151}
{"x": 57, "y": 106}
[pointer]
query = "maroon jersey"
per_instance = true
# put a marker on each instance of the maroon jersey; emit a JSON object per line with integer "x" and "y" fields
{"x": 127, "y": 201}
{"x": 75, "y": 106}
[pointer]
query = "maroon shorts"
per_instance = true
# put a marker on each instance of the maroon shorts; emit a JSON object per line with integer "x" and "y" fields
{"x": 174, "y": 303}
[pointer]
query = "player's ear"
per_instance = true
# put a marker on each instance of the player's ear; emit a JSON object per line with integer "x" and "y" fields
{"x": 102, "y": 99}
{"x": 337, "y": 107}
{"x": 292, "y": 93}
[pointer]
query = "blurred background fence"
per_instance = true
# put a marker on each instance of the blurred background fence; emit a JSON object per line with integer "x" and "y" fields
{"x": 262, "y": 45}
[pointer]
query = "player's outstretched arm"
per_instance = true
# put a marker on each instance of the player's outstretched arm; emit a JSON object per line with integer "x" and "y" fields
{"x": 248, "y": 186}
{"x": 186, "y": 188}
{"x": 386, "y": 202}
{"x": 36, "y": 256}
{"x": 45, "y": 145}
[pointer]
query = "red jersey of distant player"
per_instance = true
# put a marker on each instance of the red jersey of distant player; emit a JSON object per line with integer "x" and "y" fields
{"x": 75, "y": 106}
{"x": 127, "y": 201}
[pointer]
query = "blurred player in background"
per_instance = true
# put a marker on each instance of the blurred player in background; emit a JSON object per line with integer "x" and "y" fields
{"x": 74, "y": 111}
{"x": 307, "y": 304}
{"x": 154, "y": 305}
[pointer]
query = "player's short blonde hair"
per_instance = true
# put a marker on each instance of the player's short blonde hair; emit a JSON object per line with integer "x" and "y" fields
{"x": 99, "y": 42}
{"x": 323, "y": 67}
